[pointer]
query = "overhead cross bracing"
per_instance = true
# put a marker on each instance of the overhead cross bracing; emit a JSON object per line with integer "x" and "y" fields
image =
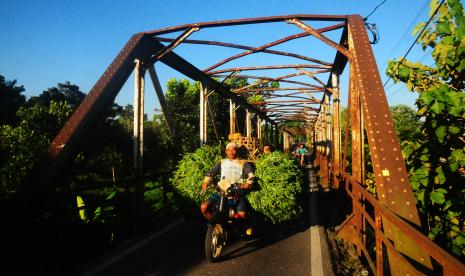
{"x": 258, "y": 50}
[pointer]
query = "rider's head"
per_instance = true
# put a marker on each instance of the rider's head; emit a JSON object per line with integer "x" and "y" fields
{"x": 231, "y": 150}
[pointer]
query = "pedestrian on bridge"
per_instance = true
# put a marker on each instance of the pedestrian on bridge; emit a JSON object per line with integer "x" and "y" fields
{"x": 302, "y": 152}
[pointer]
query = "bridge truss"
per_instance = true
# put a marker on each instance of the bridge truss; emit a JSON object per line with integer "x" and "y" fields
{"x": 390, "y": 216}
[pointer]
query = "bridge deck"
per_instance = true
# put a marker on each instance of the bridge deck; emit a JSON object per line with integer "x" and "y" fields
{"x": 282, "y": 250}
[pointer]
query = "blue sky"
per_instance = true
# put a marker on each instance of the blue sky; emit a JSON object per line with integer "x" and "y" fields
{"x": 45, "y": 42}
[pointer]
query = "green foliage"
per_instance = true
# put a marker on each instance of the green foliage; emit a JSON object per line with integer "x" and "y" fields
{"x": 255, "y": 99}
{"x": 436, "y": 158}
{"x": 275, "y": 196}
{"x": 153, "y": 195}
{"x": 191, "y": 172}
{"x": 21, "y": 147}
{"x": 104, "y": 213}
{"x": 406, "y": 122}
{"x": 279, "y": 187}
{"x": 182, "y": 99}
{"x": 63, "y": 92}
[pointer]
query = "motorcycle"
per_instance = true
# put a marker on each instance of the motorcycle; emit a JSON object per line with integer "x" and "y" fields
{"x": 224, "y": 221}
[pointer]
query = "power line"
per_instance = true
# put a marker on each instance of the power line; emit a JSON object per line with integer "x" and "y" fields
{"x": 418, "y": 36}
{"x": 425, "y": 55}
{"x": 366, "y": 17}
{"x": 392, "y": 94}
{"x": 408, "y": 29}
{"x": 420, "y": 60}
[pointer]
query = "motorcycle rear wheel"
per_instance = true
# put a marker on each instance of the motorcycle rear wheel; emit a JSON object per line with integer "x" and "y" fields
{"x": 214, "y": 242}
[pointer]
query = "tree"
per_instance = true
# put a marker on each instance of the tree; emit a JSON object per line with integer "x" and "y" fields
{"x": 406, "y": 123}
{"x": 10, "y": 101}
{"x": 436, "y": 162}
{"x": 62, "y": 92}
{"x": 22, "y": 146}
{"x": 182, "y": 98}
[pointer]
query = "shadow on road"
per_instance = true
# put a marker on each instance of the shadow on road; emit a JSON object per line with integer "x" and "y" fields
{"x": 181, "y": 250}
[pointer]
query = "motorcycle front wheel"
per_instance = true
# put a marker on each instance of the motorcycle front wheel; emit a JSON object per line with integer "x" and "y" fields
{"x": 214, "y": 242}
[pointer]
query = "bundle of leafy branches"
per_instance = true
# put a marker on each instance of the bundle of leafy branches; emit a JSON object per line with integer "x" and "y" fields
{"x": 279, "y": 187}
{"x": 275, "y": 196}
{"x": 191, "y": 172}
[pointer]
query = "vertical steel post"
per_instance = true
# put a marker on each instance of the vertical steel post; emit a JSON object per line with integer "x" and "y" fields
{"x": 138, "y": 132}
{"x": 355, "y": 131}
{"x": 248, "y": 124}
{"x": 232, "y": 117}
{"x": 276, "y": 137}
{"x": 203, "y": 115}
{"x": 272, "y": 141}
{"x": 286, "y": 140}
{"x": 138, "y": 135}
{"x": 136, "y": 123}
{"x": 162, "y": 100}
{"x": 336, "y": 156}
{"x": 327, "y": 122}
{"x": 267, "y": 141}
{"x": 356, "y": 143}
{"x": 259, "y": 128}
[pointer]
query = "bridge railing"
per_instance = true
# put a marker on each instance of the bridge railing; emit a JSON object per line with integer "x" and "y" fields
{"x": 388, "y": 242}
{"x": 383, "y": 225}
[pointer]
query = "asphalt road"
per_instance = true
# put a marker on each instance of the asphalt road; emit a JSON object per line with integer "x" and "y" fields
{"x": 283, "y": 250}
{"x": 280, "y": 250}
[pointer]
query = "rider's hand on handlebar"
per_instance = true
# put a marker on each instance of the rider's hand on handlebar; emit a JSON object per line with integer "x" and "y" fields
{"x": 246, "y": 185}
{"x": 205, "y": 186}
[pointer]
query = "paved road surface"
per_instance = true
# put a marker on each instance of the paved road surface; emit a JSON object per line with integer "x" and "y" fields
{"x": 282, "y": 250}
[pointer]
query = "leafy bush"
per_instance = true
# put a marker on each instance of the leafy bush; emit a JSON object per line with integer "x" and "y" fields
{"x": 436, "y": 159}
{"x": 275, "y": 196}
{"x": 279, "y": 187}
{"x": 191, "y": 172}
{"x": 154, "y": 197}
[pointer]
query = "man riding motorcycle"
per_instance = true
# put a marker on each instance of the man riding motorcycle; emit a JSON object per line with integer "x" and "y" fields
{"x": 232, "y": 170}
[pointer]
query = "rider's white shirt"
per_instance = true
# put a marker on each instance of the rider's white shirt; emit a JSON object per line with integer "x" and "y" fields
{"x": 231, "y": 170}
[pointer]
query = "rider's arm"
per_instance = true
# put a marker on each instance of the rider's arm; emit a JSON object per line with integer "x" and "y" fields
{"x": 250, "y": 176}
{"x": 216, "y": 170}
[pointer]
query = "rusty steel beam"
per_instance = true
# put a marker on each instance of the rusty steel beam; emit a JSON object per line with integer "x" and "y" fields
{"x": 293, "y": 97}
{"x": 309, "y": 96}
{"x": 302, "y": 89}
{"x": 294, "y": 116}
{"x": 162, "y": 100}
{"x": 287, "y": 101}
{"x": 246, "y": 21}
{"x": 283, "y": 110}
{"x": 294, "y": 82}
{"x": 293, "y": 112}
{"x": 271, "y": 44}
{"x": 269, "y": 67}
{"x": 274, "y": 105}
{"x": 311, "y": 75}
{"x": 181, "y": 65}
{"x": 450, "y": 265}
{"x": 290, "y": 106}
{"x": 301, "y": 114}
{"x": 174, "y": 43}
{"x": 244, "y": 47}
{"x": 391, "y": 177}
{"x": 268, "y": 80}
{"x": 317, "y": 34}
